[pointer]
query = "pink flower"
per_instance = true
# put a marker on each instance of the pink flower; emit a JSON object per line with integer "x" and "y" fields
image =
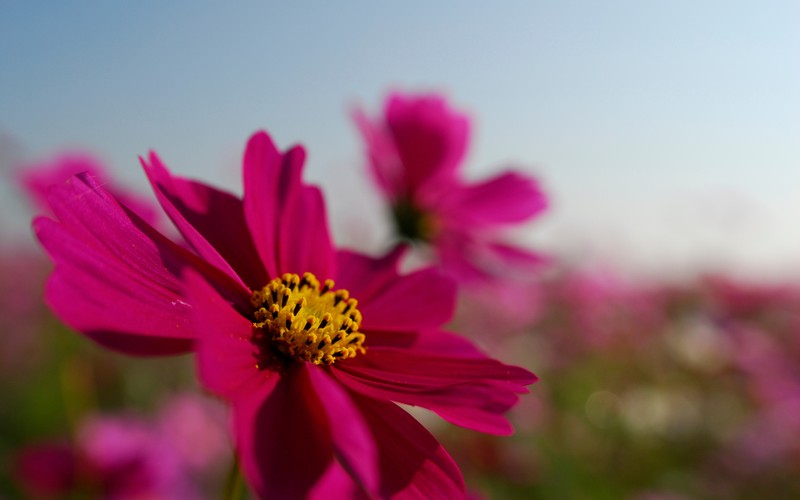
{"x": 46, "y": 469}
{"x": 23, "y": 318}
{"x": 127, "y": 457}
{"x": 415, "y": 153}
{"x": 311, "y": 367}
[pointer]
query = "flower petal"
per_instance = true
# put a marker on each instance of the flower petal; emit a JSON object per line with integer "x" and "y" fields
{"x": 473, "y": 260}
{"x": 513, "y": 257}
{"x": 212, "y": 221}
{"x": 425, "y": 369}
{"x": 468, "y": 391}
{"x": 422, "y": 299}
{"x": 225, "y": 356}
{"x": 335, "y": 484}
{"x": 432, "y": 341}
{"x": 384, "y": 162}
{"x": 283, "y": 214}
{"x": 352, "y": 441}
{"x": 430, "y": 138}
{"x": 110, "y": 276}
{"x": 283, "y": 437}
{"x": 364, "y": 276}
{"x": 305, "y": 244}
{"x": 508, "y": 198}
{"x": 46, "y": 470}
{"x": 457, "y": 260}
{"x": 37, "y": 179}
{"x": 412, "y": 463}
{"x": 266, "y": 184}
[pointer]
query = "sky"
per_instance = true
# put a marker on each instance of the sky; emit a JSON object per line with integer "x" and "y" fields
{"x": 667, "y": 134}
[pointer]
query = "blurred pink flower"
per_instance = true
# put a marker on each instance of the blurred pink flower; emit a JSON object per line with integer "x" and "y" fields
{"x": 771, "y": 365}
{"x": 415, "y": 151}
{"x": 197, "y": 431}
{"x": 36, "y": 180}
{"x": 126, "y": 457}
{"x": 47, "y": 469}
{"x": 311, "y": 373}
{"x": 596, "y": 310}
{"x": 22, "y": 313}
{"x": 608, "y": 308}
{"x": 495, "y": 310}
{"x": 762, "y": 321}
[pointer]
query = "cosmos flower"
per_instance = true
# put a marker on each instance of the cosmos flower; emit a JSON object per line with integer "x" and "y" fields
{"x": 311, "y": 346}
{"x": 415, "y": 152}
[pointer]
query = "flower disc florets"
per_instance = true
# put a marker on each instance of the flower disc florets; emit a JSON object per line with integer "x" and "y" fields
{"x": 301, "y": 320}
{"x": 412, "y": 222}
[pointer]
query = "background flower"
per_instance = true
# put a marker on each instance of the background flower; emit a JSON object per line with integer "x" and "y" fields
{"x": 416, "y": 150}
{"x": 127, "y": 457}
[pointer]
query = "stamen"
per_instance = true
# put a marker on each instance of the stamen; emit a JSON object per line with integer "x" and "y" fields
{"x": 301, "y": 320}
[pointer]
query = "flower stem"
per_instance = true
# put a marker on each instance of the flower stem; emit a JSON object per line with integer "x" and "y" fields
{"x": 234, "y": 485}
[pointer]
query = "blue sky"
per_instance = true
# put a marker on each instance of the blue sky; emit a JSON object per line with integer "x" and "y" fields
{"x": 667, "y": 133}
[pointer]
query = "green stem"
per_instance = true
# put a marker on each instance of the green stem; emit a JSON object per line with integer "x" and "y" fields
{"x": 234, "y": 485}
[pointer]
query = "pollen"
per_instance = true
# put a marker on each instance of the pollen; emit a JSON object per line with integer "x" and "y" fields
{"x": 301, "y": 319}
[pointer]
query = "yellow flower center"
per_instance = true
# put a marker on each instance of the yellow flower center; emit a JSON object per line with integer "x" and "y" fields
{"x": 304, "y": 321}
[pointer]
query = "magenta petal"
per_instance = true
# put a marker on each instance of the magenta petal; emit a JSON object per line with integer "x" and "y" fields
{"x": 472, "y": 260}
{"x": 430, "y": 138}
{"x": 431, "y": 341}
{"x": 458, "y": 260}
{"x": 511, "y": 257}
{"x": 508, "y": 198}
{"x": 364, "y": 276}
{"x": 47, "y": 470}
{"x": 225, "y": 355}
{"x": 422, "y": 299}
{"x": 265, "y": 188}
{"x": 212, "y": 221}
{"x": 287, "y": 219}
{"x": 475, "y": 405}
{"x": 354, "y": 448}
{"x": 110, "y": 303}
{"x": 267, "y": 185}
{"x": 468, "y": 391}
{"x": 419, "y": 368}
{"x": 336, "y": 484}
{"x": 412, "y": 463}
{"x": 283, "y": 437}
{"x": 486, "y": 418}
{"x": 305, "y": 244}
{"x": 37, "y": 179}
{"x": 384, "y": 162}
{"x": 115, "y": 277}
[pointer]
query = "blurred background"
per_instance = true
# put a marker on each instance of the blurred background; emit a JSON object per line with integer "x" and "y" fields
{"x": 666, "y": 135}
